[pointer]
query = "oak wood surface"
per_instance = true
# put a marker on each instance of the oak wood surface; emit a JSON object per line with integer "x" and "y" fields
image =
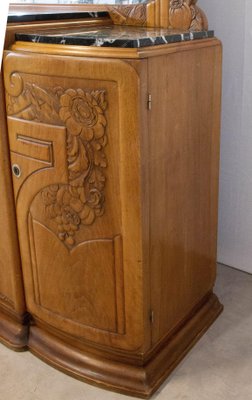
{"x": 120, "y": 187}
{"x": 116, "y": 198}
{"x": 130, "y": 378}
{"x": 45, "y": 8}
{"x": 183, "y": 162}
{"x": 116, "y": 204}
{"x": 12, "y": 304}
{"x": 13, "y": 331}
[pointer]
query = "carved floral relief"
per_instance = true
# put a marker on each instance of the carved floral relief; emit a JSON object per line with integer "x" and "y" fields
{"x": 185, "y": 14}
{"x": 82, "y": 112}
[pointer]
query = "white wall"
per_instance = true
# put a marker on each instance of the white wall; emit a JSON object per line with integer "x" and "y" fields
{"x": 231, "y": 20}
{"x": 4, "y": 6}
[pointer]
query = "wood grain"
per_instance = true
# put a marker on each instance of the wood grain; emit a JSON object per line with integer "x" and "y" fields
{"x": 183, "y": 172}
{"x": 130, "y": 378}
{"x": 12, "y": 304}
{"x": 117, "y": 298}
{"x": 121, "y": 188}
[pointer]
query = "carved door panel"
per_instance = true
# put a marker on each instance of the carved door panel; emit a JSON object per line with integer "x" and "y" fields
{"x": 77, "y": 196}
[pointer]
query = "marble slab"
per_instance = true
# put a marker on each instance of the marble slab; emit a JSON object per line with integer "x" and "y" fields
{"x": 113, "y": 36}
{"x": 49, "y": 16}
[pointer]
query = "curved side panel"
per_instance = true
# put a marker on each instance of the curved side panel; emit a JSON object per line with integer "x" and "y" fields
{"x": 12, "y": 307}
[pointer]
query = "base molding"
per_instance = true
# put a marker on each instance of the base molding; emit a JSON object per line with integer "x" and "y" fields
{"x": 139, "y": 381}
{"x": 13, "y": 334}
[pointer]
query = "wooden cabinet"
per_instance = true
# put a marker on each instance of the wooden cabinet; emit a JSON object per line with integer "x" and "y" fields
{"x": 77, "y": 195}
{"x": 115, "y": 174}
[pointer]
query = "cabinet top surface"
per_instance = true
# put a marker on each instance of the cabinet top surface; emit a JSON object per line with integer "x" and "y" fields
{"x": 112, "y": 36}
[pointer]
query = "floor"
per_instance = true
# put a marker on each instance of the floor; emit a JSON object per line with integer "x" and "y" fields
{"x": 218, "y": 368}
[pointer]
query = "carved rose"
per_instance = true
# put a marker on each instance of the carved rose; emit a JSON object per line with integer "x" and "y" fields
{"x": 82, "y": 113}
{"x": 95, "y": 200}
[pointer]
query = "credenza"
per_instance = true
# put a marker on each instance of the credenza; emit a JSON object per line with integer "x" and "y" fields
{"x": 113, "y": 141}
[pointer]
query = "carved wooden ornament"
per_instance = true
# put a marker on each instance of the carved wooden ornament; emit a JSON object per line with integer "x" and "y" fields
{"x": 129, "y": 15}
{"x": 180, "y": 14}
{"x": 80, "y": 201}
{"x": 185, "y": 14}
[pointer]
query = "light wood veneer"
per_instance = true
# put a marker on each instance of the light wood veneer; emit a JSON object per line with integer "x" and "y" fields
{"x": 116, "y": 204}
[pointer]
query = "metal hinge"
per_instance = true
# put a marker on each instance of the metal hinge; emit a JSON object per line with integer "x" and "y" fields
{"x": 151, "y": 316}
{"x": 149, "y": 102}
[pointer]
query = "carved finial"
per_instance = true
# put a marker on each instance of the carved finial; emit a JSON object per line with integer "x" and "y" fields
{"x": 186, "y": 15}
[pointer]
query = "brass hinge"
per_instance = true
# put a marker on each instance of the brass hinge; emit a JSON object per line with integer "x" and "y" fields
{"x": 149, "y": 102}
{"x": 151, "y": 316}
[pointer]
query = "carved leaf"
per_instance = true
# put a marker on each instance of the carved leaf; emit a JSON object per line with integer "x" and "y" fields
{"x": 78, "y": 162}
{"x": 34, "y": 103}
{"x": 129, "y": 15}
{"x": 100, "y": 159}
{"x": 199, "y": 19}
{"x": 99, "y": 95}
{"x": 97, "y": 179}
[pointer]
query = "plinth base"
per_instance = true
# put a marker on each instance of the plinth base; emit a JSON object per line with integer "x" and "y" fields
{"x": 140, "y": 381}
{"x": 13, "y": 333}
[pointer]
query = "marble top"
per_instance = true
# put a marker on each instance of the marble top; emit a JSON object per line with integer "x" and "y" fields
{"x": 112, "y": 36}
{"x": 48, "y": 16}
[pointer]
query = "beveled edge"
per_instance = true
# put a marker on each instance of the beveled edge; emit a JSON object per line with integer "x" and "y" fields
{"x": 109, "y": 52}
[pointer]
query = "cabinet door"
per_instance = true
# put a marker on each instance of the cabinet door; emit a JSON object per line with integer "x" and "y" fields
{"x": 73, "y": 124}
